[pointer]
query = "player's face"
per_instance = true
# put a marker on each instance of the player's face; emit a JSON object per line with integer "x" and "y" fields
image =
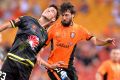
{"x": 50, "y": 13}
{"x": 67, "y": 18}
{"x": 115, "y": 55}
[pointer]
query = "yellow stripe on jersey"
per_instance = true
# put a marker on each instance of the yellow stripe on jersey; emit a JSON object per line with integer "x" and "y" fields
{"x": 12, "y": 23}
{"x": 18, "y": 61}
{"x": 21, "y": 60}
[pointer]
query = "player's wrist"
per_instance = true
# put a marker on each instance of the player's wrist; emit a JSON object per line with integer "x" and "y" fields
{"x": 109, "y": 41}
{"x": 47, "y": 65}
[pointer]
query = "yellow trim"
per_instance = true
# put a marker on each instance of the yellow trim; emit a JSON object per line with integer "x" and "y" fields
{"x": 30, "y": 62}
{"x": 12, "y": 24}
{"x": 20, "y": 59}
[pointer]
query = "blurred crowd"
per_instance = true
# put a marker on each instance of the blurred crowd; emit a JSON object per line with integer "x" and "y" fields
{"x": 87, "y": 56}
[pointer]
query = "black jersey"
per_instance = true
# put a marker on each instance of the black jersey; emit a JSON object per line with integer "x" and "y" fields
{"x": 30, "y": 38}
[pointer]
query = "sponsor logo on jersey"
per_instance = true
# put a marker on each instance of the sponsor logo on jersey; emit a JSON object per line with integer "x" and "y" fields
{"x": 33, "y": 41}
{"x": 63, "y": 45}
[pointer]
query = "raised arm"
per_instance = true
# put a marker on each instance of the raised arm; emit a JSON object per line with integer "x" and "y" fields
{"x": 13, "y": 23}
{"x": 5, "y": 26}
{"x": 99, "y": 42}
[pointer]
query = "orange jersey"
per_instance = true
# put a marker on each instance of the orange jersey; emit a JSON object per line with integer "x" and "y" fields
{"x": 64, "y": 40}
{"x": 111, "y": 69}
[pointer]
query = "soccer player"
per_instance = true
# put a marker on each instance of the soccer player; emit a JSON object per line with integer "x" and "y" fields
{"x": 110, "y": 69}
{"x": 64, "y": 36}
{"x": 30, "y": 38}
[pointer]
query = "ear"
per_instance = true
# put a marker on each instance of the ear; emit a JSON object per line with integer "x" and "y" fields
{"x": 73, "y": 15}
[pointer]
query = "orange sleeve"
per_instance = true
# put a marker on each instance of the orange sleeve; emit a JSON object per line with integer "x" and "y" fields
{"x": 103, "y": 68}
{"x": 85, "y": 34}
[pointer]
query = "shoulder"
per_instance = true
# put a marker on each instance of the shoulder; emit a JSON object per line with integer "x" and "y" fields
{"x": 107, "y": 62}
{"x": 80, "y": 28}
{"x": 27, "y": 18}
{"x": 55, "y": 26}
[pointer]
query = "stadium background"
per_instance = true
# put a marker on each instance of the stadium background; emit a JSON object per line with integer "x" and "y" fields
{"x": 100, "y": 17}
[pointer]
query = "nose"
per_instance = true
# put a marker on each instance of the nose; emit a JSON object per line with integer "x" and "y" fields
{"x": 64, "y": 17}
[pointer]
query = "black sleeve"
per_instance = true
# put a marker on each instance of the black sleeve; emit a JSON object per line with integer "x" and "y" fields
{"x": 16, "y": 22}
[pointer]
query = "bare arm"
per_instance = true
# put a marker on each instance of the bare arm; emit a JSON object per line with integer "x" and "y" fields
{"x": 40, "y": 61}
{"x": 5, "y": 26}
{"x": 99, "y": 42}
{"x": 50, "y": 66}
{"x": 99, "y": 76}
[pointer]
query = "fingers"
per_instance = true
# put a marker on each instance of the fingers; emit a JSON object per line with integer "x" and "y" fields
{"x": 57, "y": 64}
{"x": 113, "y": 43}
{"x": 61, "y": 62}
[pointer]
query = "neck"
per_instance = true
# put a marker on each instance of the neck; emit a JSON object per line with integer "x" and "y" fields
{"x": 44, "y": 22}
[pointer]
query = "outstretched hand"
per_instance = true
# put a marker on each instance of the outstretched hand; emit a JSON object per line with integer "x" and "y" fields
{"x": 57, "y": 64}
{"x": 111, "y": 41}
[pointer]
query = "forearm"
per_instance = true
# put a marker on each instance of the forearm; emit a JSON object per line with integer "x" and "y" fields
{"x": 99, "y": 42}
{"x": 44, "y": 63}
{"x": 5, "y": 26}
{"x": 40, "y": 61}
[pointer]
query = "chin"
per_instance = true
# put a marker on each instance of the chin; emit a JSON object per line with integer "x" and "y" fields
{"x": 66, "y": 24}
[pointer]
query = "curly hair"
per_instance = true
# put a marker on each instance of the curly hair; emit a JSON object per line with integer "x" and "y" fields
{"x": 67, "y": 6}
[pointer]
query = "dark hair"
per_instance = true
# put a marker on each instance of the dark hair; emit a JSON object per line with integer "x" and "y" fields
{"x": 67, "y": 6}
{"x": 54, "y": 6}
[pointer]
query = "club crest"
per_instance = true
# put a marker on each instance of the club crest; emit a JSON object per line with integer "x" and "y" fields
{"x": 72, "y": 34}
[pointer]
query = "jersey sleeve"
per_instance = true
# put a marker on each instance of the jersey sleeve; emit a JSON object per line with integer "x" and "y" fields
{"x": 85, "y": 34}
{"x": 103, "y": 68}
{"x": 16, "y": 22}
{"x": 20, "y": 21}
